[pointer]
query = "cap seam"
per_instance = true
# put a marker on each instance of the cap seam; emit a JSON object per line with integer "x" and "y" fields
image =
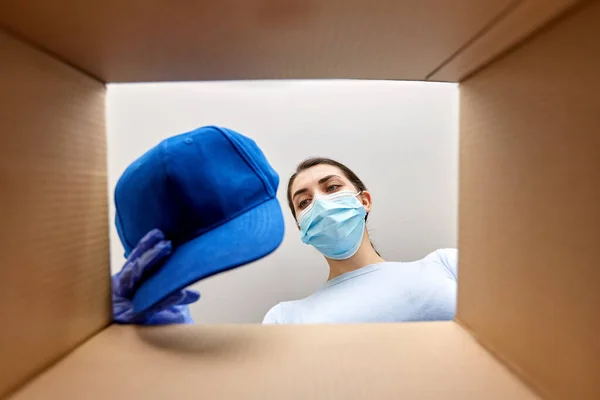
{"x": 169, "y": 181}
{"x": 271, "y": 194}
{"x": 231, "y": 217}
{"x": 248, "y": 161}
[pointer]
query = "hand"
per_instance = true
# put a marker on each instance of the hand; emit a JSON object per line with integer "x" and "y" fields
{"x": 148, "y": 255}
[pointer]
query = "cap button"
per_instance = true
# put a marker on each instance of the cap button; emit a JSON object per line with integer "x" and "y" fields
{"x": 188, "y": 140}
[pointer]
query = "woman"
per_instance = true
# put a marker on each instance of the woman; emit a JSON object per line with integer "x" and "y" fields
{"x": 331, "y": 206}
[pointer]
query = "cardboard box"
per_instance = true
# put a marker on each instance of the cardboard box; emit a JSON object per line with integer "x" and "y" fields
{"x": 529, "y": 231}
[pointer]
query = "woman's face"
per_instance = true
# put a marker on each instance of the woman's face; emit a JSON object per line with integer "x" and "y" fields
{"x": 321, "y": 179}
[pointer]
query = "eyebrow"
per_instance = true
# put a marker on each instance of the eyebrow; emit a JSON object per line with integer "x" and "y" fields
{"x": 321, "y": 181}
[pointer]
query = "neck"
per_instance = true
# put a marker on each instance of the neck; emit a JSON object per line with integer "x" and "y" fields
{"x": 365, "y": 255}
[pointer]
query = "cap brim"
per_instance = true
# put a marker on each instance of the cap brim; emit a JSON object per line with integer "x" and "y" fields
{"x": 246, "y": 238}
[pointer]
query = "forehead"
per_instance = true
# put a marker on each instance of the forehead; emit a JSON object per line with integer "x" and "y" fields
{"x": 310, "y": 177}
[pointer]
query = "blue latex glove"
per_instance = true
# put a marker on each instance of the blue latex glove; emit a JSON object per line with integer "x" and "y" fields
{"x": 148, "y": 255}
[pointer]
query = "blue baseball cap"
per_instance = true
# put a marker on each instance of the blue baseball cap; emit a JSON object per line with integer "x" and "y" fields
{"x": 213, "y": 193}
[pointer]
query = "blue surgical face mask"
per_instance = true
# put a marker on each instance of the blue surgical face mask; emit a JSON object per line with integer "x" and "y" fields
{"x": 334, "y": 224}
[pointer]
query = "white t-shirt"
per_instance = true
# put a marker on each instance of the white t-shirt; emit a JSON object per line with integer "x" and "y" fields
{"x": 423, "y": 290}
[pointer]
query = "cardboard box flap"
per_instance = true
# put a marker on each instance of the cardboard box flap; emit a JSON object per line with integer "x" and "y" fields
{"x": 132, "y": 41}
{"x": 519, "y": 22}
{"x": 529, "y": 230}
{"x": 529, "y": 196}
{"x": 389, "y": 361}
{"x": 54, "y": 275}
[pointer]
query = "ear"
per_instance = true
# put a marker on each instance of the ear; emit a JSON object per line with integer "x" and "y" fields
{"x": 366, "y": 200}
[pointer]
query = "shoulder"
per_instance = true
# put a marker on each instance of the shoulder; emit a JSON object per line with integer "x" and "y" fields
{"x": 447, "y": 257}
{"x": 274, "y": 316}
{"x": 282, "y": 313}
{"x": 445, "y": 254}
{"x": 287, "y": 312}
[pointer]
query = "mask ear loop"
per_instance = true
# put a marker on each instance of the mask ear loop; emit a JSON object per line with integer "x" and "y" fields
{"x": 358, "y": 194}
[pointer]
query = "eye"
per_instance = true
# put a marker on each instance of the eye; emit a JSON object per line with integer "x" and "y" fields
{"x": 303, "y": 203}
{"x": 333, "y": 188}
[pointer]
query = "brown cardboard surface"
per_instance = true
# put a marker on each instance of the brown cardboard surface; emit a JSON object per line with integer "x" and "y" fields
{"x": 390, "y": 361}
{"x": 529, "y": 196}
{"x": 154, "y": 40}
{"x": 529, "y": 230}
{"x": 519, "y": 22}
{"x": 54, "y": 278}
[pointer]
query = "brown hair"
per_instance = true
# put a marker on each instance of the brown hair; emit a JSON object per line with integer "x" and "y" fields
{"x": 314, "y": 161}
